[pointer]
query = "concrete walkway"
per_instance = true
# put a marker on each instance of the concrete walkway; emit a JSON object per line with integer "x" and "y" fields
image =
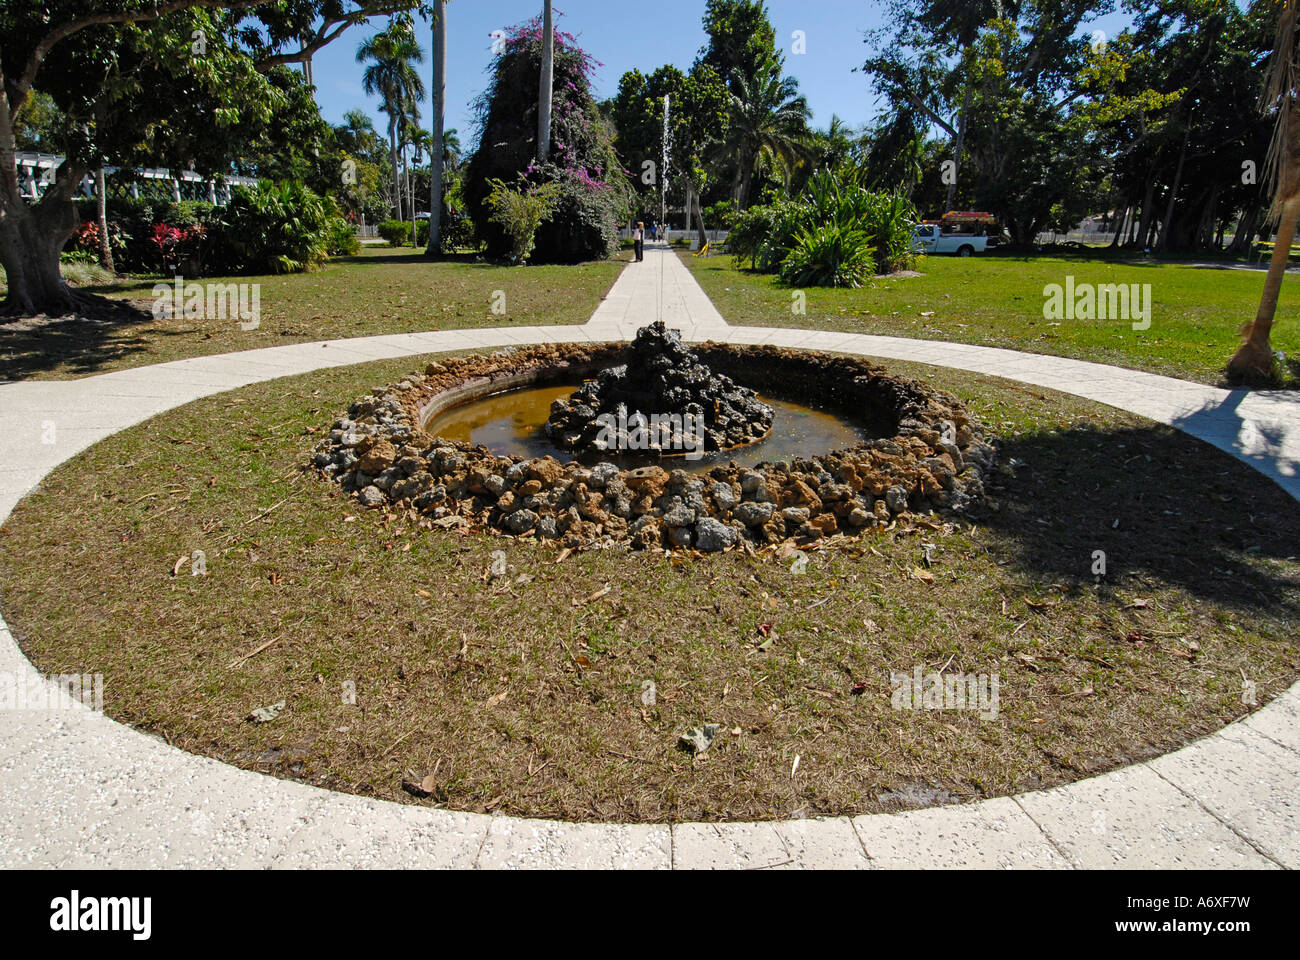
{"x": 79, "y": 790}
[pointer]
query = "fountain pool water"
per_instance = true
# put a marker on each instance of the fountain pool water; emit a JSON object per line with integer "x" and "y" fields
{"x": 513, "y": 424}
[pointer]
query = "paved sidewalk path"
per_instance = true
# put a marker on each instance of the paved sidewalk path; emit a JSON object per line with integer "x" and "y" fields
{"x": 77, "y": 789}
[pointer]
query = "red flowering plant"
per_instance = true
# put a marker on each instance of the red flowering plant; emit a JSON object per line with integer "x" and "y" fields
{"x": 83, "y": 245}
{"x": 179, "y": 247}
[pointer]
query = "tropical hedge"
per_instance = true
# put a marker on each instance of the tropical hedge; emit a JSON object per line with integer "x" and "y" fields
{"x": 836, "y": 233}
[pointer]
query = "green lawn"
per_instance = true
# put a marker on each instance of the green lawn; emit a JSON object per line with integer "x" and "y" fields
{"x": 383, "y": 290}
{"x": 998, "y": 301}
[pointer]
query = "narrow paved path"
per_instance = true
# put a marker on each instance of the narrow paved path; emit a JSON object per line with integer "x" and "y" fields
{"x": 77, "y": 789}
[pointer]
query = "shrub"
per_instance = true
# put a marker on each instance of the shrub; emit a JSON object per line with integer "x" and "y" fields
{"x": 457, "y": 230}
{"x": 762, "y": 235}
{"x": 518, "y": 213}
{"x": 828, "y": 255}
{"x": 396, "y": 232}
{"x": 825, "y": 231}
{"x": 179, "y": 250}
{"x": 342, "y": 241}
{"x": 275, "y": 228}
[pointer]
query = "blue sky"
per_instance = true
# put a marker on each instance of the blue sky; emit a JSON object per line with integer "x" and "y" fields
{"x": 623, "y": 35}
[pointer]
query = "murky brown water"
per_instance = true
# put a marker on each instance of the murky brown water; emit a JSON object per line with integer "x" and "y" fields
{"x": 511, "y": 424}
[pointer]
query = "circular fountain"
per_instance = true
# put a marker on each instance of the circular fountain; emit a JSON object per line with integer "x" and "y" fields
{"x": 646, "y": 450}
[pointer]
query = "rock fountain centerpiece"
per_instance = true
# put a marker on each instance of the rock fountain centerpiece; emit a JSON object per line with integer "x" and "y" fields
{"x": 664, "y": 401}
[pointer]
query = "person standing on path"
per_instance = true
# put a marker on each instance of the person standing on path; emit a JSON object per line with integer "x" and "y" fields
{"x": 638, "y": 241}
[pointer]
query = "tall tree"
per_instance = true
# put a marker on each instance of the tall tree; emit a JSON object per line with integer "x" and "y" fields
{"x": 1254, "y": 361}
{"x": 546, "y": 89}
{"x": 439, "y": 95}
{"x": 768, "y": 122}
{"x": 742, "y": 41}
{"x": 999, "y": 80}
{"x": 698, "y": 122}
{"x": 390, "y": 74}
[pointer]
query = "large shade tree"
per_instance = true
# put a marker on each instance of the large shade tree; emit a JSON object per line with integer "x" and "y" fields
{"x": 138, "y": 83}
{"x": 697, "y": 124}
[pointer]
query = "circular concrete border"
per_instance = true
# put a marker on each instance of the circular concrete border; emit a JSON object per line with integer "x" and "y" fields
{"x": 79, "y": 790}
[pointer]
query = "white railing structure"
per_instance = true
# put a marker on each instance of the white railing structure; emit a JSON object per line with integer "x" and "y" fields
{"x": 36, "y": 171}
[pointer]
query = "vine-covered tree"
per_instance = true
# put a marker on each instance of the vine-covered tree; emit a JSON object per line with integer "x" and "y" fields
{"x": 592, "y": 189}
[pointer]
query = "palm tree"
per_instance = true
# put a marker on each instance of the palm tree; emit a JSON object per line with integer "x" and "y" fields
{"x": 1253, "y": 362}
{"x": 451, "y": 150}
{"x": 393, "y": 78}
{"x": 769, "y": 123}
{"x": 410, "y": 135}
{"x": 356, "y": 134}
{"x": 438, "y": 135}
{"x": 544, "y": 92}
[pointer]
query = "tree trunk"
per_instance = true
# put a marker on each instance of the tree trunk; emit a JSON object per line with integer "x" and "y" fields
{"x": 1144, "y": 221}
{"x": 410, "y": 198}
{"x": 1245, "y": 232}
{"x": 746, "y": 185}
{"x": 1253, "y": 362}
{"x": 101, "y": 221}
{"x": 1204, "y": 239}
{"x": 397, "y": 180}
{"x": 958, "y": 147}
{"x": 32, "y": 238}
{"x": 438, "y": 95}
{"x": 1168, "y": 227}
{"x": 545, "y": 91}
{"x": 1120, "y": 226}
{"x": 699, "y": 219}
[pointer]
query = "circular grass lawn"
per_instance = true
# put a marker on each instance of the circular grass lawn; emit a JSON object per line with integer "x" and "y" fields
{"x": 411, "y": 668}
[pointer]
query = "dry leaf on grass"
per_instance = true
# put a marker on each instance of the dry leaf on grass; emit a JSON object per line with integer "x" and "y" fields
{"x": 603, "y": 591}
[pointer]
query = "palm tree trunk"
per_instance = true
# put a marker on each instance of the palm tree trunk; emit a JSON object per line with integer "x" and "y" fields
{"x": 438, "y": 95}
{"x": 397, "y": 180}
{"x": 410, "y": 198}
{"x": 1253, "y": 362}
{"x": 101, "y": 221}
{"x": 544, "y": 94}
{"x": 958, "y": 148}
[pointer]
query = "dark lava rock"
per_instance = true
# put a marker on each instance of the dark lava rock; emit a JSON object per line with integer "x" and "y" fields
{"x": 663, "y": 399}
